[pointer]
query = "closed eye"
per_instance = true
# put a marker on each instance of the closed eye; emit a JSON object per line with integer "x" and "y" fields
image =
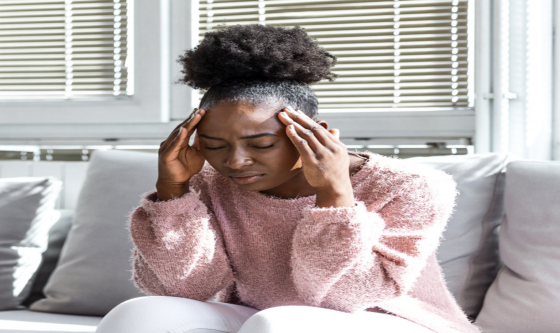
{"x": 264, "y": 147}
{"x": 214, "y": 148}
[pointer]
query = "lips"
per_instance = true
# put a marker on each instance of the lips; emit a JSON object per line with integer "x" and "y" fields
{"x": 246, "y": 178}
{"x": 243, "y": 175}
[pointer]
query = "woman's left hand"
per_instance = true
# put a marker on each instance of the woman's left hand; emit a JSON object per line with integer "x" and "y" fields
{"x": 325, "y": 159}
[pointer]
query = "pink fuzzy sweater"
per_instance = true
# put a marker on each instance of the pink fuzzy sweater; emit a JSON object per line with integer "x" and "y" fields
{"x": 219, "y": 242}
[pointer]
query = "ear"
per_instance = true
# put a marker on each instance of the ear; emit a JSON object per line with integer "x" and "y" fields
{"x": 333, "y": 131}
{"x": 323, "y": 123}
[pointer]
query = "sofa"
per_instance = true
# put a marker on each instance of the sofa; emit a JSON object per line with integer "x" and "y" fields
{"x": 62, "y": 270}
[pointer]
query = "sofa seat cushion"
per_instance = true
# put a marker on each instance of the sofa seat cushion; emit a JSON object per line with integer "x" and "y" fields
{"x": 25, "y": 321}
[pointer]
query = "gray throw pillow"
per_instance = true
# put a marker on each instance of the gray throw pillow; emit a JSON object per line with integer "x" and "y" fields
{"x": 93, "y": 274}
{"x": 26, "y": 215}
{"x": 525, "y": 297}
{"x": 468, "y": 254}
{"x": 57, "y": 237}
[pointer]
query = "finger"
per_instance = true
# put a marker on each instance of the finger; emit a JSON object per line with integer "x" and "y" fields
{"x": 165, "y": 143}
{"x": 335, "y": 132}
{"x": 172, "y": 150}
{"x": 319, "y": 131}
{"x": 188, "y": 124}
{"x": 185, "y": 122}
{"x": 170, "y": 139}
{"x": 309, "y": 136}
{"x": 189, "y": 118}
{"x": 192, "y": 125}
{"x": 196, "y": 144}
{"x": 190, "y": 128}
{"x": 183, "y": 137}
{"x": 307, "y": 155}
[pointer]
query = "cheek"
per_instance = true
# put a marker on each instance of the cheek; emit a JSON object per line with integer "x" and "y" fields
{"x": 211, "y": 158}
{"x": 289, "y": 159}
{"x": 205, "y": 154}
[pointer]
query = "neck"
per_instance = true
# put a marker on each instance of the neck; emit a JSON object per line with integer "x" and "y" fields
{"x": 296, "y": 187}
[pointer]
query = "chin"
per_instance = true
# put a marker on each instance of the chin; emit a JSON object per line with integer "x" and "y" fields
{"x": 249, "y": 187}
{"x": 257, "y": 185}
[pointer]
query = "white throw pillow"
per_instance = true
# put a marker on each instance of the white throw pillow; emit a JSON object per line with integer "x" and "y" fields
{"x": 526, "y": 294}
{"x": 468, "y": 254}
{"x": 26, "y": 215}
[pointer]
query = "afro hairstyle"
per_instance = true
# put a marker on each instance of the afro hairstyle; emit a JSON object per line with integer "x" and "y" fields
{"x": 258, "y": 63}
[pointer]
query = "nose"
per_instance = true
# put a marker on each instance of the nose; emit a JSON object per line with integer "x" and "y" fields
{"x": 237, "y": 159}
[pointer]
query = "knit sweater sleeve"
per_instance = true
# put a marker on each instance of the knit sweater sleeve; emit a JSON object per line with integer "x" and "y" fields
{"x": 179, "y": 249}
{"x": 350, "y": 259}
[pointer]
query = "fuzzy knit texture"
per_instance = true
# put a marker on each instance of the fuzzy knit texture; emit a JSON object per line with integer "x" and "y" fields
{"x": 218, "y": 242}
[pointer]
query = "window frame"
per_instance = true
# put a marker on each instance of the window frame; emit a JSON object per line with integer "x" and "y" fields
{"x": 556, "y": 83}
{"x": 522, "y": 81}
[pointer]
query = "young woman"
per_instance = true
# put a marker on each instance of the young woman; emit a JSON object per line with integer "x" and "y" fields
{"x": 268, "y": 224}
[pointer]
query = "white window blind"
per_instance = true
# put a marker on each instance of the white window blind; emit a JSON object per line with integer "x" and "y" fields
{"x": 64, "y": 49}
{"x": 391, "y": 54}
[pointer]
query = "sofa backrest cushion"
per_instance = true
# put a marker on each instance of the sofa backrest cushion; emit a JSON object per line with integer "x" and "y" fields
{"x": 468, "y": 254}
{"x": 525, "y": 297}
{"x": 93, "y": 274}
{"x": 26, "y": 215}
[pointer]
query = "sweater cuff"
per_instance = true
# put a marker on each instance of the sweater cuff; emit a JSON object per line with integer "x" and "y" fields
{"x": 188, "y": 202}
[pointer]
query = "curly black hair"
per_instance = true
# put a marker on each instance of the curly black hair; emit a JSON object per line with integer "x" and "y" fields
{"x": 255, "y": 63}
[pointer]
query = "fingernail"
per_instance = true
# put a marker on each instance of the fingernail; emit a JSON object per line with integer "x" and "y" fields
{"x": 291, "y": 127}
{"x": 289, "y": 108}
{"x": 285, "y": 115}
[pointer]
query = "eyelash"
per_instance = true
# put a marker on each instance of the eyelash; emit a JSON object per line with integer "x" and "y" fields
{"x": 223, "y": 147}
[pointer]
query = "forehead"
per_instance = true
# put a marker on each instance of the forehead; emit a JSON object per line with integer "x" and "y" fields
{"x": 240, "y": 117}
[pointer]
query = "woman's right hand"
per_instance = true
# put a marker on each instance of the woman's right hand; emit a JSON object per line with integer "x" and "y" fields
{"x": 178, "y": 161}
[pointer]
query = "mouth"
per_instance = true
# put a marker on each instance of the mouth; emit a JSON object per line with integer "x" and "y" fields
{"x": 246, "y": 180}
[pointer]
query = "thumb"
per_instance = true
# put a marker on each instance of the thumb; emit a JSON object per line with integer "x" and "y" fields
{"x": 335, "y": 132}
{"x": 196, "y": 144}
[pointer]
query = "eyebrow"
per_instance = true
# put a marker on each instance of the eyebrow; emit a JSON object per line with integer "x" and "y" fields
{"x": 244, "y": 137}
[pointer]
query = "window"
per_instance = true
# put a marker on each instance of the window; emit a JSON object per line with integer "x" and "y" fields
{"x": 404, "y": 70}
{"x": 97, "y": 113}
{"x": 405, "y": 67}
{"x": 405, "y": 55}
{"x": 64, "y": 49}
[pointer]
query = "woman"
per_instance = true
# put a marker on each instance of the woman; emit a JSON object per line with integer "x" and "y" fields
{"x": 267, "y": 224}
